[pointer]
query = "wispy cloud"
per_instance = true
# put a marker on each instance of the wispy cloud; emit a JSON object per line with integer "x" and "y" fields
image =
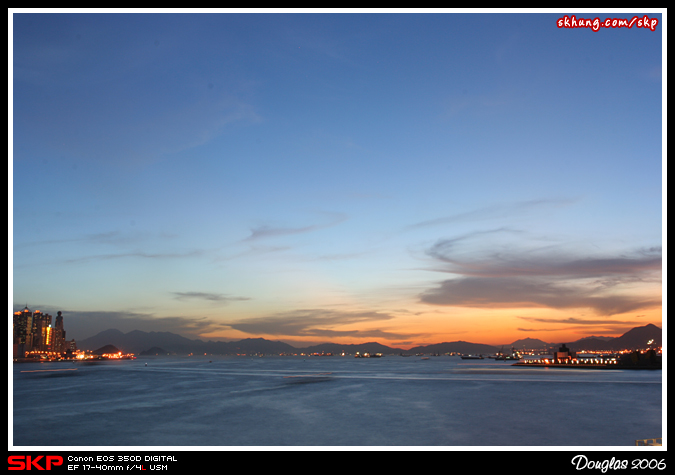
{"x": 495, "y": 211}
{"x": 206, "y": 296}
{"x": 318, "y": 323}
{"x": 611, "y": 329}
{"x": 577, "y": 321}
{"x": 138, "y": 254}
{"x": 108, "y": 238}
{"x": 266, "y": 231}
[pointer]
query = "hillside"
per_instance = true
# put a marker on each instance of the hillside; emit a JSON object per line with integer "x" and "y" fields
{"x": 635, "y": 338}
{"x": 464, "y": 347}
{"x": 107, "y": 349}
{"x": 139, "y": 341}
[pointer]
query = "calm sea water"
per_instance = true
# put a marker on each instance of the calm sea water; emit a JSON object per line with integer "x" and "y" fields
{"x": 330, "y": 401}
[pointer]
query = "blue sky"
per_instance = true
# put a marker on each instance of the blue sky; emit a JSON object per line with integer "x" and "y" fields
{"x": 405, "y": 178}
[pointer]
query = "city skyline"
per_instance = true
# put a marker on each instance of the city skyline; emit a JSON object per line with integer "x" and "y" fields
{"x": 401, "y": 178}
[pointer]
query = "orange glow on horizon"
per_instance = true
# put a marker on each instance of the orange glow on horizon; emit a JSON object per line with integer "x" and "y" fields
{"x": 493, "y": 327}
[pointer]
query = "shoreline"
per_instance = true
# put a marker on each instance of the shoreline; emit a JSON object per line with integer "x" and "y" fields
{"x": 586, "y": 366}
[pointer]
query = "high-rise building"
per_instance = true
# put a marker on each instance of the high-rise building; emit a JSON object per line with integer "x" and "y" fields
{"x": 42, "y": 331}
{"x": 33, "y": 332}
{"x": 23, "y": 332}
{"x": 59, "y": 335}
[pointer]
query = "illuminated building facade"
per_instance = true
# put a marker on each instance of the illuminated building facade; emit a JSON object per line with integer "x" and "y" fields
{"x": 23, "y": 332}
{"x": 59, "y": 335}
{"x": 33, "y": 333}
{"x": 563, "y": 354}
{"x": 42, "y": 331}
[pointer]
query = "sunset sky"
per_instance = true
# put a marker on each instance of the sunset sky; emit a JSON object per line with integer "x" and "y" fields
{"x": 406, "y": 178}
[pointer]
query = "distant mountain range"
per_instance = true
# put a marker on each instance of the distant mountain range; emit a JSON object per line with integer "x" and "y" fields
{"x": 138, "y": 342}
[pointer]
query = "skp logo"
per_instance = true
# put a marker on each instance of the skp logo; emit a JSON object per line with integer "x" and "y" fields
{"x": 26, "y": 462}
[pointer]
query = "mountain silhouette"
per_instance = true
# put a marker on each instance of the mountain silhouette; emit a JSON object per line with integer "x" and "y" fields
{"x": 107, "y": 349}
{"x": 138, "y": 341}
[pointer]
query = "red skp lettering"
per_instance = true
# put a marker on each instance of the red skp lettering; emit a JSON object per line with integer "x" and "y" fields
{"x": 25, "y": 462}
